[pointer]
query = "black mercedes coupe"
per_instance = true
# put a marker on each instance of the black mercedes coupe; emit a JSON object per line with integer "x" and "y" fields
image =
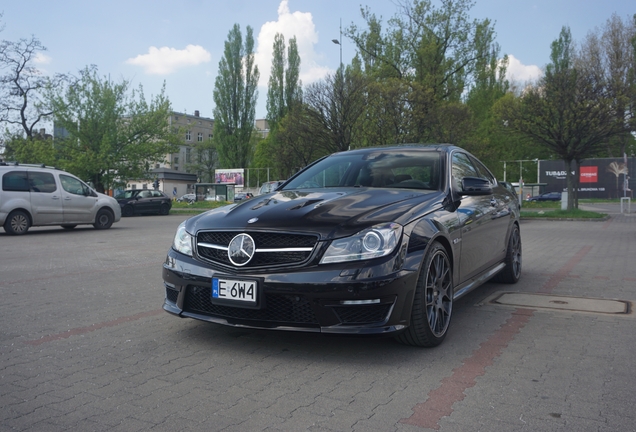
{"x": 369, "y": 241}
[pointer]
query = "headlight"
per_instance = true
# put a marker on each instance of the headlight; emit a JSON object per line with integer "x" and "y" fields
{"x": 374, "y": 242}
{"x": 182, "y": 241}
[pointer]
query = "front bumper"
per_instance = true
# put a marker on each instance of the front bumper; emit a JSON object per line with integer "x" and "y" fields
{"x": 353, "y": 298}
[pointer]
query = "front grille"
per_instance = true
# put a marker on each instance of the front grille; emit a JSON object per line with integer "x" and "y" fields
{"x": 171, "y": 295}
{"x": 262, "y": 240}
{"x": 362, "y": 314}
{"x": 279, "y": 308}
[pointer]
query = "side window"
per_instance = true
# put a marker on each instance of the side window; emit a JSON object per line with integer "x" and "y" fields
{"x": 157, "y": 194}
{"x": 15, "y": 181}
{"x": 483, "y": 171}
{"x": 71, "y": 185}
{"x": 42, "y": 182}
{"x": 463, "y": 167}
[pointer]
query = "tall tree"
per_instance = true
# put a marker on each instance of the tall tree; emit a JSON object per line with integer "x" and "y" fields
{"x": 235, "y": 94}
{"x": 568, "y": 111}
{"x": 113, "y": 134}
{"x": 285, "y": 88}
{"x": 335, "y": 105}
{"x": 284, "y": 95}
{"x": 22, "y": 86}
{"x": 433, "y": 49}
{"x": 618, "y": 61}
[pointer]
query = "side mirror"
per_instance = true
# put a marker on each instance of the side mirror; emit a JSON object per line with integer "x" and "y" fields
{"x": 476, "y": 186}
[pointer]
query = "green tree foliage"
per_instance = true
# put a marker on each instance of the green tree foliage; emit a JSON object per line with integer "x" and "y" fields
{"x": 284, "y": 95}
{"x": 113, "y": 134}
{"x": 285, "y": 89}
{"x": 35, "y": 150}
{"x": 235, "y": 93}
{"x": 429, "y": 56}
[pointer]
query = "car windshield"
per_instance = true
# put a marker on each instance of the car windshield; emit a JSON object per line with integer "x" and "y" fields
{"x": 410, "y": 169}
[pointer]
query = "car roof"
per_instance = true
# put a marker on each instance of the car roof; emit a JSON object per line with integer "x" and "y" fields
{"x": 398, "y": 147}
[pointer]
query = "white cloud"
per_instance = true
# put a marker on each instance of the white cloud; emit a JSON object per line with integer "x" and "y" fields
{"x": 290, "y": 24}
{"x": 165, "y": 60}
{"x": 42, "y": 59}
{"x": 519, "y": 72}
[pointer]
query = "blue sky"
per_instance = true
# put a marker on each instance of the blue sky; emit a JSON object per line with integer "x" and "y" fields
{"x": 181, "y": 42}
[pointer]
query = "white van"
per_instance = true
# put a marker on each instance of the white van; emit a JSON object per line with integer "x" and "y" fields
{"x": 34, "y": 195}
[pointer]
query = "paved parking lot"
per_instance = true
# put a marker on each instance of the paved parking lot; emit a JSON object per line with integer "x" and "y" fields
{"x": 84, "y": 345}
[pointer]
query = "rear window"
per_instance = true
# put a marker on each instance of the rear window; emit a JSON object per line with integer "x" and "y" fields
{"x": 16, "y": 181}
{"x": 42, "y": 182}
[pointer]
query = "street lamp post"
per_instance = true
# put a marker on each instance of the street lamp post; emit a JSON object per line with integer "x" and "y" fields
{"x": 339, "y": 42}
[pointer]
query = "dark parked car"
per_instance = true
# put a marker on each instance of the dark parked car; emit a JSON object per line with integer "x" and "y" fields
{"x": 549, "y": 196}
{"x": 189, "y": 198}
{"x": 143, "y": 201}
{"x": 368, "y": 241}
{"x": 512, "y": 190}
{"x": 240, "y": 196}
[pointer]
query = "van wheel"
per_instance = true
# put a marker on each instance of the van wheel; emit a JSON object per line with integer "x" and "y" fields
{"x": 17, "y": 223}
{"x": 103, "y": 220}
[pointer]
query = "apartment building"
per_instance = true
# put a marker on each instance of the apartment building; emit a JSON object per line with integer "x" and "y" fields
{"x": 196, "y": 129}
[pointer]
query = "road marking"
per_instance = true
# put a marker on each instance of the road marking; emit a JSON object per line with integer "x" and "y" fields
{"x": 82, "y": 330}
{"x": 564, "y": 271}
{"x": 439, "y": 402}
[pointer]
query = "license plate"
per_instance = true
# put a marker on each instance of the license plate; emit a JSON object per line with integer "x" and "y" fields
{"x": 234, "y": 290}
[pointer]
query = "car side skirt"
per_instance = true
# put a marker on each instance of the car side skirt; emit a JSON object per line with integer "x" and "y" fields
{"x": 470, "y": 285}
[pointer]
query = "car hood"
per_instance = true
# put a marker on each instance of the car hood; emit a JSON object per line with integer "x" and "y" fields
{"x": 104, "y": 196}
{"x": 330, "y": 213}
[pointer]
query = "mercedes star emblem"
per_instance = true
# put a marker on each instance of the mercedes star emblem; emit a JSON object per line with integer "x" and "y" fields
{"x": 241, "y": 250}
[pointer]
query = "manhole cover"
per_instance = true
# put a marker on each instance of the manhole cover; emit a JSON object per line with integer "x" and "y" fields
{"x": 547, "y": 301}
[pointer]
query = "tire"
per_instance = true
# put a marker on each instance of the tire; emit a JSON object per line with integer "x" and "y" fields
{"x": 512, "y": 272}
{"x": 127, "y": 211}
{"x": 103, "y": 220}
{"x": 164, "y": 209}
{"x": 68, "y": 227}
{"x": 17, "y": 223}
{"x": 433, "y": 302}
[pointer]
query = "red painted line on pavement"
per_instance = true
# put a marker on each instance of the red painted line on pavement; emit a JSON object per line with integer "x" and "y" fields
{"x": 564, "y": 271}
{"x": 93, "y": 327}
{"x": 440, "y": 401}
{"x": 606, "y": 223}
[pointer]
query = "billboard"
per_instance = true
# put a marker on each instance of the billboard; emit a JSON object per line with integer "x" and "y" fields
{"x": 229, "y": 176}
{"x": 599, "y": 178}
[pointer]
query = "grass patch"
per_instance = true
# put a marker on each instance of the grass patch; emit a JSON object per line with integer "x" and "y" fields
{"x": 563, "y": 214}
{"x": 600, "y": 201}
{"x": 541, "y": 204}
